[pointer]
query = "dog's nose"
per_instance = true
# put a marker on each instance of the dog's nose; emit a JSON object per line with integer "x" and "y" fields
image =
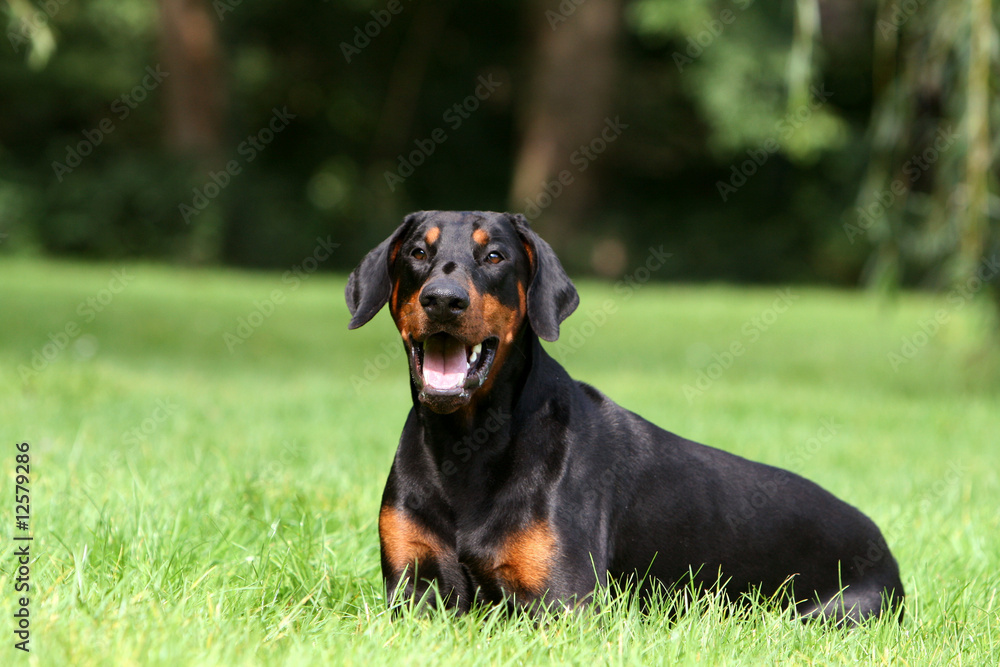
{"x": 444, "y": 300}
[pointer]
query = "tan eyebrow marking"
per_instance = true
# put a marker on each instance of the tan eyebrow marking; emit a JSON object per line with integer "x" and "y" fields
{"x": 481, "y": 237}
{"x": 432, "y": 235}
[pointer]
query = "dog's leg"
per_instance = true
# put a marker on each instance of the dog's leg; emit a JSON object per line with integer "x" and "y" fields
{"x": 417, "y": 566}
{"x": 852, "y": 606}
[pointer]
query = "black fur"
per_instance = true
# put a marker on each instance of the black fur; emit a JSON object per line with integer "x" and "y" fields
{"x": 551, "y": 295}
{"x": 369, "y": 284}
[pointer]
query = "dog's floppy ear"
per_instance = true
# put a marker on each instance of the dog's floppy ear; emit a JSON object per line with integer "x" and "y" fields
{"x": 370, "y": 284}
{"x": 551, "y": 294}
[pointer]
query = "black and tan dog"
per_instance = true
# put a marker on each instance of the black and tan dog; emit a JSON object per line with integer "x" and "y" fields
{"x": 514, "y": 483}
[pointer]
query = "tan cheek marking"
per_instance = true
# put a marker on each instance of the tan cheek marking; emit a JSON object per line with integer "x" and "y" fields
{"x": 522, "y": 309}
{"x": 475, "y": 324}
{"x": 499, "y": 318}
{"x": 409, "y": 316}
{"x": 432, "y": 235}
{"x": 481, "y": 236}
{"x": 404, "y": 541}
{"x": 494, "y": 319}
{"x": 394, "y": 300}
{"x": 526, "y": 558}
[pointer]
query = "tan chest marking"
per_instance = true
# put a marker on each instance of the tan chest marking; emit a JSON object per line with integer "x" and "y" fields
{"x": 404, "y": 541}
{"x": 526, "y": 559}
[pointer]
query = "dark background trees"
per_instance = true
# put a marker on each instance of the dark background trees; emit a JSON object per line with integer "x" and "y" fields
{"x": 756, "y": 140}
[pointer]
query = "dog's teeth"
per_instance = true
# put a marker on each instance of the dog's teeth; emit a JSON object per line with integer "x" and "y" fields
{"x": 475, "y": 353}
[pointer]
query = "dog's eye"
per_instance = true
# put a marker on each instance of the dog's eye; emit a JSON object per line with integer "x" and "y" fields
{"x": 494, "y": 257}
{"x": 418, "y": 253}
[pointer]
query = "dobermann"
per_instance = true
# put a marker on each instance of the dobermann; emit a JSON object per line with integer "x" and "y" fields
{"x": 515, "y": 484}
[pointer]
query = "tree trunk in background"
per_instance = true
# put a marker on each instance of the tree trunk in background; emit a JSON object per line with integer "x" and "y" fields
{"x": 195, "y": 103}
{"x": 574, "y": 65}
{"x": 976, "y": 233}
{"x": 407, "y": 77}
{"x": 194, "y": 91}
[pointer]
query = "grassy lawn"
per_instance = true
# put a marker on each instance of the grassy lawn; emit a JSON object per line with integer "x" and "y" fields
{"x": 204, "y": 497}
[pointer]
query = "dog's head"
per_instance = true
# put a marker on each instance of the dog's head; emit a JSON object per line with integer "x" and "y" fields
{"x": 461, "y": 287}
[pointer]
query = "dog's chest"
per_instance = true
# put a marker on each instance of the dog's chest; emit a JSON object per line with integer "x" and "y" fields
{"x": 519, "y": 562}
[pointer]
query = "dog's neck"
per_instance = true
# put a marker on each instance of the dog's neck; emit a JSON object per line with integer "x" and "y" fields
{"x": 481, "y": 431}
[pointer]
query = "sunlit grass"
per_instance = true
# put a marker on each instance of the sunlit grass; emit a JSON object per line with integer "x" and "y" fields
{"x": 196, "y": 506}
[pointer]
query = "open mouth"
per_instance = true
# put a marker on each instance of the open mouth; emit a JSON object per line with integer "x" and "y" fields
{"x": 447, "y": 370}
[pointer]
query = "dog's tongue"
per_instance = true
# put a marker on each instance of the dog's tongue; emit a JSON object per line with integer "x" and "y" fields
{"x": 444, "y": 362}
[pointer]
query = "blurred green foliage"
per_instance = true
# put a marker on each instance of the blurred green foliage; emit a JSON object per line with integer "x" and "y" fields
{"x": 751, "y": 124}
{"x": 931, "y": 191}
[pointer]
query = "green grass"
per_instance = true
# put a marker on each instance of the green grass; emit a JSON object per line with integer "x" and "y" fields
{"x": 237, "y": 525}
